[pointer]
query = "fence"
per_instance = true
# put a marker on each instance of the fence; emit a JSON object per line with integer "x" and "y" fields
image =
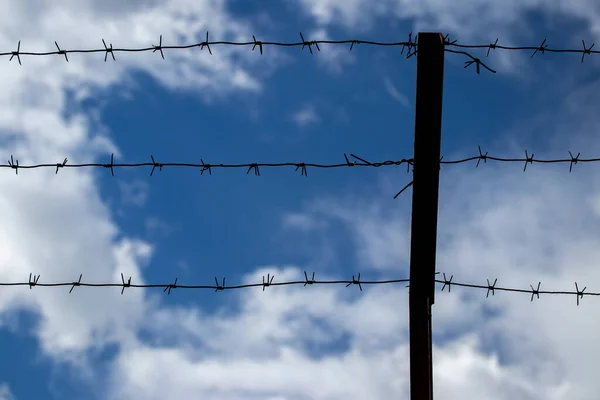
{"x": 421, "y": 300}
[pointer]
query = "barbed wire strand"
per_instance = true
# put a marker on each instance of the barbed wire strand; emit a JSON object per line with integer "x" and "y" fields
{"x": 535, "y": 292}
{"x": 542, "y": 48}
{"x": 206, "y": 167}
{"x": 302, "y": 166}
{"x": 529, "y": 159}
{"x": 411, "y": 46}
{"x": 34, "y": 280}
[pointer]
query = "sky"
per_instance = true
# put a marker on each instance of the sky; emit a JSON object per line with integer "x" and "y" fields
{"x": 316, "y": 342}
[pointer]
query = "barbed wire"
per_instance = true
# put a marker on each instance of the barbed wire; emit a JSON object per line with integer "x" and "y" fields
{"x": 109, "y": 49}
{"x": 410, "y": 45}
{"x": 206, "y": 167}
{"x": 34, "y": 280}
{"x": 572, "y": 160}
{"x": 529, "y": 159}
{"x": 535, "y": 292}
{"x": 542, "y": 48}
{"x": 267, "y": 281}
{"x": 302, "y": 166}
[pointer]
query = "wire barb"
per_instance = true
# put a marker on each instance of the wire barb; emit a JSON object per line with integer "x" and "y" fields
{"x": 348, "y": 163}
{"x": 403, "y": 189}
{"x": 257, "y": 43}
{"x": 309, "y": 281}
{"x": 474, "y": 60}
{"x": 16, "y": 53}
{"x": 170, "y": 286}
{"x": 535, "y": 292}
{"x": 447, "y": 282}
{"x": 111, "y": 165}
{"x": 448, "y": 42}
{"x": 585, "y": 51}
{"x": 78, "y": 283}
{"x": 579, "y": 293}
{"x": 63, "y": 52}
{"x": 481, "y": 157}
{"x": 411, "y": 45}
{"x": 309, "y": 44}
{"x": 356, "y": 282}
{"x": 573, "y": 160}
{"x": 108, "y": 50}
{"x": 303, "y": 170}
{"x": 266, "y": 283}
{"x": 221, "y": 286}
{"x": 205, "y": 167}
{"x": 253, "y": 166}
{"x": 206, "y": 44}
{"x": 154, "y": 165}
{"x": 363, "y": 160}
{"x": 14, "y": 164}
{"x": 159, "y": 48}
{"x": 33, "y": 282}
{"x": 490, "y": 288}
{"x": 60, "y": 165}
{"x": 125, "y": 285}
{"x": 541, "y": 49}
{"x": 527, "y": 160}
{"x": 491, "y": 47}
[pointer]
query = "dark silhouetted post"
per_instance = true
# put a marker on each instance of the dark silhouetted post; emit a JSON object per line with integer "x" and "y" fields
{"x": 426, "y": 174}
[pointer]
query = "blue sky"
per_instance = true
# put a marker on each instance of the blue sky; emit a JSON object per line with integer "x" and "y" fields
{"x": 236, "y": 106}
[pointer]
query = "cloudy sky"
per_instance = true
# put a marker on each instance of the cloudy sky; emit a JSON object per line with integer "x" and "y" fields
{"x": 236, "y": 106}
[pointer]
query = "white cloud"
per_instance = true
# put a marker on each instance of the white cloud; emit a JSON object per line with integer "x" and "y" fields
{"x": 261, "y": 351}
{"x": 57, "y": 225}
{"x": 158, "y": 226}
{"x": 394, "y": 92}
{"x": 5, "y": 393}
{"x": 467, "y": 20}
{"x": 373, "y": 375}
{"x": 332, "y": 57}
{"x": 179, "y": 21}
{"x": 303, "y": 222}
{"x": 380, "y": 236}
{"x": 134, "y": 192}
{"x": 462, "y": 371}
{"x": 306, "y": 116}
{"x": 352, "y": 13}
{"x": 70, "y": 234}
{"x": 464, "y": 17}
